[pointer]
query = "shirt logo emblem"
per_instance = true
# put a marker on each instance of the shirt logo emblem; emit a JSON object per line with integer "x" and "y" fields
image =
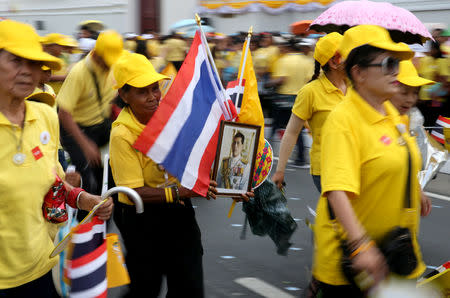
{"x": 37, "y": 153}
{"x": 45, "y": 137}
{"x": 386, "y": 140}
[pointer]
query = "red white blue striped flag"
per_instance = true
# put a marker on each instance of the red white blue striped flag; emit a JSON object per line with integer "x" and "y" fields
{"x": 183, "y": 133}
{"x": 86, "y": 267}
{"x": 438, "y": 132}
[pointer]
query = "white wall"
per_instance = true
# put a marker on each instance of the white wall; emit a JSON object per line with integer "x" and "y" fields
{"x": 176, "y": 10}
{"x": 63, "y": 16}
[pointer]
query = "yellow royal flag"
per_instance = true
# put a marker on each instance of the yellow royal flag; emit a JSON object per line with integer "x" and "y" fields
{"x": 164, "y": 85}
{"x": 251, "y": 111}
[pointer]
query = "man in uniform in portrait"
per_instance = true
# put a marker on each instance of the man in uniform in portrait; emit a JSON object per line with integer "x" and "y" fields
{"x": 234, "y": 171}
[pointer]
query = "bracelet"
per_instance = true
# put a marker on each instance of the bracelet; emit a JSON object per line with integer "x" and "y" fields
{"x": 353, "y": 245}
{"x": 177, "y": 194}
{"x": 362, "y": 248}
{"x": 73, "y": 196}
{"x": 169, "y": 197}
{"x": 78, "y": 199}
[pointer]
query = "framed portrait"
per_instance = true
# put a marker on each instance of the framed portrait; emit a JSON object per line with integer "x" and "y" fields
{"x": 235, "y": 158}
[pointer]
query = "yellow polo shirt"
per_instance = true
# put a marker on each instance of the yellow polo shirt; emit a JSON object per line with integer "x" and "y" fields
{"x": 25, "y": 243}
{"x": 429, "y": 68}
{"x": 78, "y": 94}
{"x": 264, "y": 58}
{"x": 362, "y": 155}
{"x": 314, "y": 103}
{"x": 298, "y": 70}
{"x": 130, "y": 167}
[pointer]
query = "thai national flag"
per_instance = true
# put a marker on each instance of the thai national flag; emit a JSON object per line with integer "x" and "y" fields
{"x": 182, "y": 135}
{"x": 86, "y": 268}
{"x": 438, "y": 132}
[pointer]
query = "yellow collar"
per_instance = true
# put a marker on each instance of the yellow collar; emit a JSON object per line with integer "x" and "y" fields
{"x": 29, "y": 114}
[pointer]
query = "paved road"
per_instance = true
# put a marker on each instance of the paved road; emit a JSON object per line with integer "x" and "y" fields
{"x": 251, "y": 267}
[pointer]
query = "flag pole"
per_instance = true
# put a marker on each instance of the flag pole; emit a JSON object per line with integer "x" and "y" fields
{"x": 244, "y": 61}
{"x": 208, "y": 51}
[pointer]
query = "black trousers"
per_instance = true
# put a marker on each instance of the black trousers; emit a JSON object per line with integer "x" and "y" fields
{"x": 318, "y": 289}
{"x": 39, "y": 288}
{"x": 174, "y": 249}
{"x": 99, "y": 134}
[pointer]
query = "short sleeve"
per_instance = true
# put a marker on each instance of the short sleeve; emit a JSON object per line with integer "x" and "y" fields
{"x": 71, "y": 89}
{"x": 125, "y": 163}
{"x": 340, "y": 157}
{"x": 303, "y": 106}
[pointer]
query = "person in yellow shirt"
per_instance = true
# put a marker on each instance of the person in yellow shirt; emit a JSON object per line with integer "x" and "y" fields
{"x": 29, "y": 162}
{"x": 369, "y": 167}
{"x": 410, "y": 83}
{"x": 291, "y": 72}
{"x": 84, "y": 103}
{"x": 169, "y": 221}
{"x": 175, "y": 49}
{"x": 314, "y": 103}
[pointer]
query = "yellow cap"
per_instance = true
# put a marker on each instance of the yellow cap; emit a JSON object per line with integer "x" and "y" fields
{"x": 326, "y": 47}
{"x": 109, "y": 46}
{"x": 135, "y": 70}
{"x": 68, "y": 41}
{"x": 53, "y": 38}
{"x": 408, "y": 75}
{"x": 21, "y": 40}
{"x": 375, "y": 36}
{"x": 43, "y": 97}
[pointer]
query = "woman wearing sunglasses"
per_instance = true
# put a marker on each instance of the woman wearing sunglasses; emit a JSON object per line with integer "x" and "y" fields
{"x": 314, "y": 102}
{"x": 365, "y": 170}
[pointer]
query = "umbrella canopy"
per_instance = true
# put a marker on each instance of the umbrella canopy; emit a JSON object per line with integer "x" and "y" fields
{"x": 403, "y": 25}
{"x": 183, "y": 24}
{"x": 190, "y": 32}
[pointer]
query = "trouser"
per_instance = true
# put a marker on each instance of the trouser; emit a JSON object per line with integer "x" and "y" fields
{"x": 99, "y": 134}
{"x": 318, "y": 289}
{"x": 316, "y": 180}
{"x": 39, "y": 288}
{"x": 174, "y": 249}
{"x": 281, "y": 106}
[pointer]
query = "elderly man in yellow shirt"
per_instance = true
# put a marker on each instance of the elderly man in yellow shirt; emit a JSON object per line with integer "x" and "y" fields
{"x": 84, "y": 103}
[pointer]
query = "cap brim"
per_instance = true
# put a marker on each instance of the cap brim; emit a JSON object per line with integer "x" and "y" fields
{"x": 43, "y": 97}
{"x": 403, "y": 51}
{"x": 30, "y": 54}
{"x": 144, "y": 80}
{"x": 414, "y": 81}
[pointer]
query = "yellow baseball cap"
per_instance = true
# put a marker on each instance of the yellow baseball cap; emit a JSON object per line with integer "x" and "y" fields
{"x": 43, "y": 97}
{"x": 135, "y": 70}
{"x": 408, "y": 75}
{"x": 53, "y": 38}
{"x": 375, "y": 36}
{"x": 21, "y": 40}
{"x": 109, "y": 46}
{"x": 326, "y": 47}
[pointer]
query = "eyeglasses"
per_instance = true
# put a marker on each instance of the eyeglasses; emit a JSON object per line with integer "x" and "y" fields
{"x": 389, "y": 65}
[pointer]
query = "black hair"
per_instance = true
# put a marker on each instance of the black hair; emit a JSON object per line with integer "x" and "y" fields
{"x": 118, "y": 100}
{"x": 361, "y": 56}
{"x": 317, "y": 67}
{"x": 141, "y": 48}
{"x": 239, "y": 135}
{"x": 435, "y": 45}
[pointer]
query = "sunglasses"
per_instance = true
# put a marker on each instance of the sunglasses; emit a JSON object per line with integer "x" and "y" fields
{"x": 389, "y": 65}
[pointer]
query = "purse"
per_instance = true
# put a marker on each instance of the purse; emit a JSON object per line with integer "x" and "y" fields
{"x": 396, "y": 246}
{"x": 54, "y": 205}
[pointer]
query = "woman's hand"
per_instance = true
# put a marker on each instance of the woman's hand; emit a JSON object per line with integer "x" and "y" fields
{"x": 372, "y": 262}
{"x": 88, "y": 201}
{"x": 212, "y": 190}
{"x": 278, "y": 179}
{"x": 245, "y": 197}
{"x": 425, "y": 205}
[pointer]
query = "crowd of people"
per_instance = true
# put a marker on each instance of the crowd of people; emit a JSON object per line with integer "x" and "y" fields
{"x": 352, "y": 92}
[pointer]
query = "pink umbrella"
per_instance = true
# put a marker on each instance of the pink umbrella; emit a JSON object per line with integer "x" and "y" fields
{"x": 401, "y": 23}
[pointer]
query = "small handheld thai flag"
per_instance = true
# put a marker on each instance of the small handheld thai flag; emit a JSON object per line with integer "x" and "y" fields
{"x": 182, "y": 135}
{"x": 438, "y": 132}
{"x": 86, "y": 264}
